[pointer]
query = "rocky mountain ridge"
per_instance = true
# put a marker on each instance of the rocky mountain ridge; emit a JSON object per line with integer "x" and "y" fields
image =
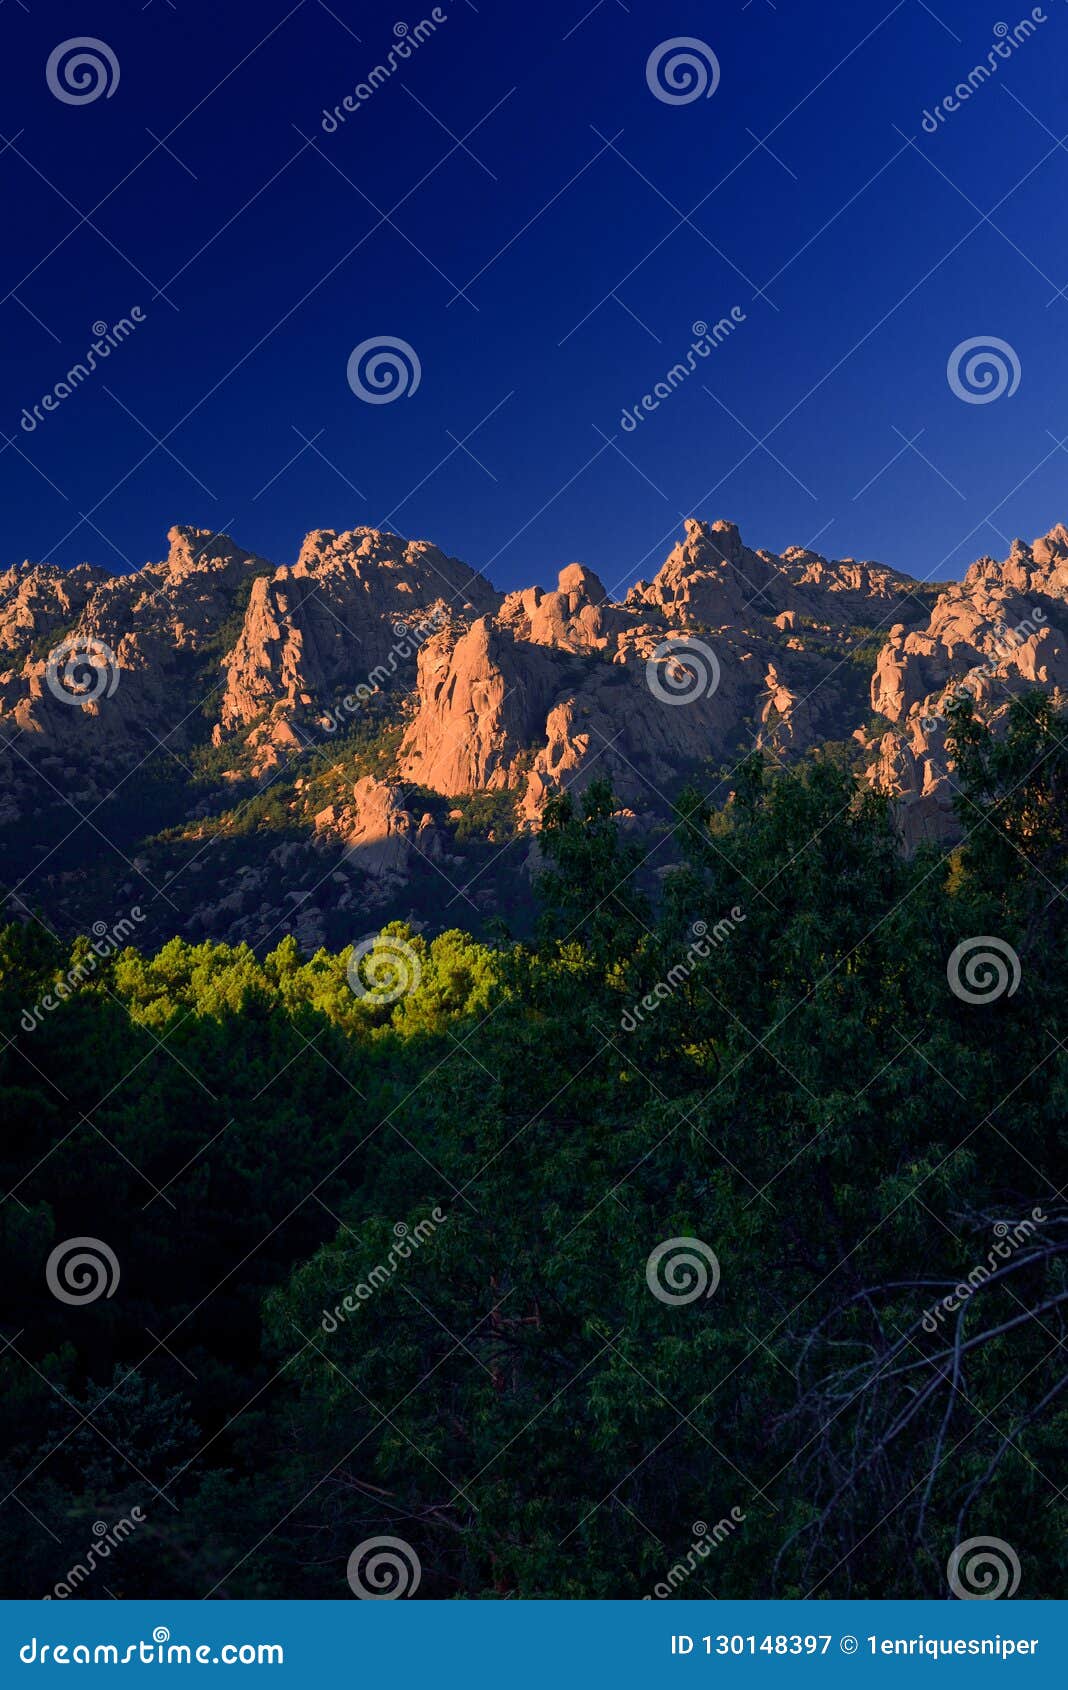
{"x": 242, "y": 748}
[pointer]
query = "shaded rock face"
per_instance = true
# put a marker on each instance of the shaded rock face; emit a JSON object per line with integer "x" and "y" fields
{"x": 506, "y": 705}
{"x": 215, "y": 678}
{"x": 153, "y": 631}
{"x": 334, "y": 618}
{"x": 383, "y": 838}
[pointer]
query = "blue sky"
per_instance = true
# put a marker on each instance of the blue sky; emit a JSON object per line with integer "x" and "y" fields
{"x": 518, "y": 206}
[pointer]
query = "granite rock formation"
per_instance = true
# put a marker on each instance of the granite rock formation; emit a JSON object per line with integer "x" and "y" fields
{"x": 243, "y": 748}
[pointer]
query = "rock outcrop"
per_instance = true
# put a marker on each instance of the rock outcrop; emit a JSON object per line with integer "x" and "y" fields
{"x": 1002, "y": 631}
{"x": 340, "y": 733}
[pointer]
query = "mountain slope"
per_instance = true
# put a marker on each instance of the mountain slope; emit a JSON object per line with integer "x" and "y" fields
{"x": 242, "y": 749}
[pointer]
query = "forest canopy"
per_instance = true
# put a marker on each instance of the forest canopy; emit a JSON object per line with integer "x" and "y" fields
{"x": 725, "y": 1217}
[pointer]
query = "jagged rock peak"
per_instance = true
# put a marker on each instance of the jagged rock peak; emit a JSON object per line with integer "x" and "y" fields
{"x": 452, "y": 690}
{"x": 201, "y": 549}
{"x": 720, "y": 540}
{"x": 1040, "y": 566}
{"x": 1051, "y": 547}
{"x": 581, "y": 584}
{"x": 415, "y": 566}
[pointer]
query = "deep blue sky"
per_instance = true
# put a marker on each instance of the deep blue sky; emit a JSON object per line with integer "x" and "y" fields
{"x": 278, "y": 266}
